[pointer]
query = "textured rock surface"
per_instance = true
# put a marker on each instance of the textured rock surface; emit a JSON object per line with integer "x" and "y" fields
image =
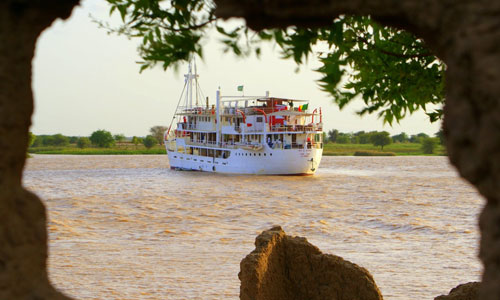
{"x": 466, "y": 35}
{"x": 467, "y": 291}
{"x": 289, "y": 268}
{"x": 23, "y": 233}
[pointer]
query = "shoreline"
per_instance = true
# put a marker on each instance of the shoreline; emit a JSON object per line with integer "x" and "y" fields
{"x": 330, "y": 149}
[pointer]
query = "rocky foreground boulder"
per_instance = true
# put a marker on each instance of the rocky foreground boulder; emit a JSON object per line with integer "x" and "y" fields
{"x": 467, "y": 291}
{"x": 290, "y": 268}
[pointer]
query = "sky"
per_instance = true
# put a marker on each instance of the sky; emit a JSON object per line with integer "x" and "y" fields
{"x": 85, "y": 80}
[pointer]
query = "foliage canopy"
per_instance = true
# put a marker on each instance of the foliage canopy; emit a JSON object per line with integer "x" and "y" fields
{"x": 391, "y": 70}
{"x": 149, "y": 141}
{"x": 136, "y": 141}
{"x": 157, "y": 132}
{"x": 119, "y": 137}
{"x": 83, "y": 142}
{"x": 429, "y": 145}
{"x": 102, "y": 138}
{"x": 32, "y": 139}
{"x": 381, "y": 139}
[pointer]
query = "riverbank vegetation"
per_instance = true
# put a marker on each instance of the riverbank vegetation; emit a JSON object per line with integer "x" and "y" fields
{"x": 331, "y": 149}
{"x": 100, "y": 142}
{"x": 380, "y": 143}
{"x": 374, "y": 143}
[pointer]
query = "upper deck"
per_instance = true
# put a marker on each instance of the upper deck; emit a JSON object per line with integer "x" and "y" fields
{"x": 251, "y": 115}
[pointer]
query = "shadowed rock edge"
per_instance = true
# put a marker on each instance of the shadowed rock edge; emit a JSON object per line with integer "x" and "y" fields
{"x": 290, "y": 268}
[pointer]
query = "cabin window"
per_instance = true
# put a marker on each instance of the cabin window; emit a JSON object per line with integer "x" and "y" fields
{"x": 259, "y": 119}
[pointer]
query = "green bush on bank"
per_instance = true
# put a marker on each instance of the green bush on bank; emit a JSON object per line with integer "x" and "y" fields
{"x": 92, "y": 151}
{"x": 396, "y": 148}
{"x": 373, "y": 153}
{"x": 115, "y": 150}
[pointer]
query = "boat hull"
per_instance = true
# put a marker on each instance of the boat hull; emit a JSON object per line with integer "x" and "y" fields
{"x": 241, "y": 161}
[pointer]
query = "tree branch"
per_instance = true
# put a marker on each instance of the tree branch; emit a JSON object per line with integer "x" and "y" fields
{"x": 188, "y": 28}
{"x": 366, "y": 42}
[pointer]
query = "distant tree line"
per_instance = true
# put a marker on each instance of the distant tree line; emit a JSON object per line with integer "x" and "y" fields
{"x": 100, "y": 138}
{"x": 383, "y": 138}
{"x": 104, "y": 139}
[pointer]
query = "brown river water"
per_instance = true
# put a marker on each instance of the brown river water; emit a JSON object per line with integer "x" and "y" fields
{"x": 128, "y": 227}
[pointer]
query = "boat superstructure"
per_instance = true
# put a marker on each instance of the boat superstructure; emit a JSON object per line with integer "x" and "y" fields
{"x": 244, "y": 134}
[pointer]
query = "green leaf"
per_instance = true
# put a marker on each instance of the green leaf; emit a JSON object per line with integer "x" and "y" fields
{"x": 123, "y": 11}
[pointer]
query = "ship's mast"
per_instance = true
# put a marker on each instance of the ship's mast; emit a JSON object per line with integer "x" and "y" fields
{"x": 191, "y": 81}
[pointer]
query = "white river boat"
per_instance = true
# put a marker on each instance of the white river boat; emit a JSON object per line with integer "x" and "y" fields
{"x": 243, "y": 134}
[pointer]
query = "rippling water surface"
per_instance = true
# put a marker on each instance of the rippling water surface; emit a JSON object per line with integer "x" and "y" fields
{"x": 128, "y": 227}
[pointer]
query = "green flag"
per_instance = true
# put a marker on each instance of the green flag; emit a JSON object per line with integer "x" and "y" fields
{"x": 240, "y": 88}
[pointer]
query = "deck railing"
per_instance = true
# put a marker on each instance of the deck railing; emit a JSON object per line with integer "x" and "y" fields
{"x": 234, "y": 145}
{"x": 272, "y": 128}
{"x": 295, "y": 128}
